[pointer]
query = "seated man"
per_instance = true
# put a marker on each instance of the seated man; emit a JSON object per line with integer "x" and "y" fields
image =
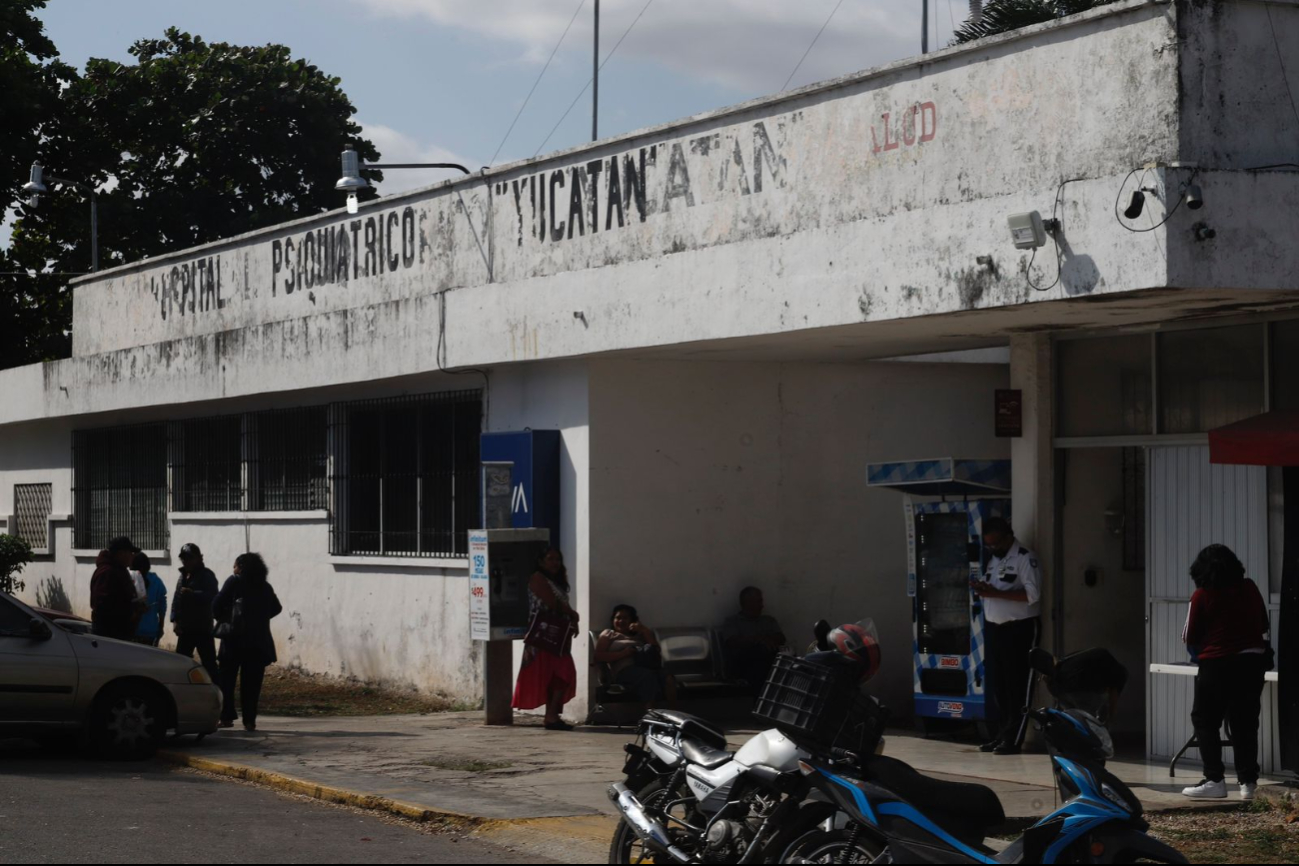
{"x": 751, "y": 640}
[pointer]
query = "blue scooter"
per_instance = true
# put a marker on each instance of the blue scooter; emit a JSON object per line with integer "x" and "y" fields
{"x": 911, "y": 818}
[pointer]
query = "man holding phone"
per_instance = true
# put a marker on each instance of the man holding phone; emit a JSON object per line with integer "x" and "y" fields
{"x": 1012, "y": 601}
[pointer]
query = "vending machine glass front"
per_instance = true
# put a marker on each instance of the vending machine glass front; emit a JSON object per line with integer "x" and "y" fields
{"x": 943, "y": 583}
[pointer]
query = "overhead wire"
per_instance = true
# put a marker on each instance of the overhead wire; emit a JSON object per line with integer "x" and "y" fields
{"x": 1285, "y": 76}
{"x": 590, "y": 80}
{"x": 527, "y": 99}
{"x": 815, "y": 39}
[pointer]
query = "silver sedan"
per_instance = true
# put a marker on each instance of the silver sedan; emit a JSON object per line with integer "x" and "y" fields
{"x": 122, "y": 698}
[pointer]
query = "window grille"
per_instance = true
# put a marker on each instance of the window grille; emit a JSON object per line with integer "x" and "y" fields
{"x": 207, "y": 464}
{"x": 287, "y": 459}
{"x": 405, "y": 474}
{"x": 120, "y": 486}
{"x": 32, "y": 506}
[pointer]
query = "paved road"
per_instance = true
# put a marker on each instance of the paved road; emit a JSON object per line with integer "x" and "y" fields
{"x": 67, "y": 809}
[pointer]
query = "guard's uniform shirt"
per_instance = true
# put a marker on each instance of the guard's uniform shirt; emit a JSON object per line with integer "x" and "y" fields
{"x": 1018, "y": 569}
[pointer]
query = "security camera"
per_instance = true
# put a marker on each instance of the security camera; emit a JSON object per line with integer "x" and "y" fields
{"x": 1028, "y": 230}
{"x": 1194, "y": 197}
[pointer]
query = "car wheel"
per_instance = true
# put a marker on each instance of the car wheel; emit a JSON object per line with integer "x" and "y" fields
{"x": 127, "y": 723}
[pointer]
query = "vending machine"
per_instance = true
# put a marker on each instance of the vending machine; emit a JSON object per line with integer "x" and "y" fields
{"x": 945, "y": 504}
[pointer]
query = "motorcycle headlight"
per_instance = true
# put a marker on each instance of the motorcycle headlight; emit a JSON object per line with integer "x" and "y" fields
{"x": 1100, "y": 732}
{"x": 199, "y": 676}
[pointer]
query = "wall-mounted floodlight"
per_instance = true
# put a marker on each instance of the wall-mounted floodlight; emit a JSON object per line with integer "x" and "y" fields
{"x": 1194, "y": 197}
{"x": 1136, "y": 204}
{"x": 352, "y": 183}
{"x": 1029, "y": 230}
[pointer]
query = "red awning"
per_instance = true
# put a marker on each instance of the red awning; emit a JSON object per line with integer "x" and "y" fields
{"x": 1271, "y": 439}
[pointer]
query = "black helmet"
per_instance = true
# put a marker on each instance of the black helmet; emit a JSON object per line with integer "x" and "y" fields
{"x": 190, "y": 550}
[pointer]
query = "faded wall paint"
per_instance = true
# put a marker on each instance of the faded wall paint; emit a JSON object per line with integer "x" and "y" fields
{"x": 955, "y": 140}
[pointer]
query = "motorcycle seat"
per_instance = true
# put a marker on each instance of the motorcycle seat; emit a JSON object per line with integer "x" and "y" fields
{"x": 704, "y": 755}
{"x": 693, "y": 726}
{"x": 964, "y": 809}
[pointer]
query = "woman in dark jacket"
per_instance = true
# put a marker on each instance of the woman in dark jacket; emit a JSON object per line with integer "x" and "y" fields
{"x": 248, "y": 603}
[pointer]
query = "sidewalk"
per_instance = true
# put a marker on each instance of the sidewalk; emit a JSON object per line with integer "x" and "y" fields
{"x": 547, "y": 789}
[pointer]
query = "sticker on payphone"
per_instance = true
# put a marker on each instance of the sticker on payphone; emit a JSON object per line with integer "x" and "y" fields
{"x": 951, "y": 708}
{"x": 949, "y": 662}
{"x": 480, "y": 616}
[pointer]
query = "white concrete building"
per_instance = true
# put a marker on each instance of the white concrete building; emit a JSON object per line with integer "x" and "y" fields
{"x": 706, "y": 311}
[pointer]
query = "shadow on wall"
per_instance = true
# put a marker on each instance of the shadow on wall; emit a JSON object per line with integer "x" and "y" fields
{"x": 51, "y": 594}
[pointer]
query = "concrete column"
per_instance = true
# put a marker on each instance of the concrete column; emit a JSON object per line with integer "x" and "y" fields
{"x": 1033, "y": 465}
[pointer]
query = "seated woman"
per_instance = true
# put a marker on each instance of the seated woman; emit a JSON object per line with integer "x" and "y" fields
{"x": 618, "y": 647}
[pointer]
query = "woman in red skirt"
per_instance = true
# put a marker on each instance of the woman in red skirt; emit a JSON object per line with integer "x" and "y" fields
{"x": 547, "y": 678}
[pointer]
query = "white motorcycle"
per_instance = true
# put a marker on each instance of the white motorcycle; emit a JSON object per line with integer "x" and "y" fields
{"x": 686, "y": 799}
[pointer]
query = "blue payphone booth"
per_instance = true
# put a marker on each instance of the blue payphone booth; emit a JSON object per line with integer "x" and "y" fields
{"x": 945, "y": 505}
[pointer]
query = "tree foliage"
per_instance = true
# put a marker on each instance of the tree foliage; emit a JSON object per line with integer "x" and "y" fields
{"x": 1002, "y": 16}
{"x": 14, "y": 554}
{"x": 192, "y": 142}
{"x": 30, "y": 78}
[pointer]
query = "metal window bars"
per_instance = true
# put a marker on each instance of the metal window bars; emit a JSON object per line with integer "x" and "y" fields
{"x": 404, "y": 474}
{"x": 286, "y": 459}
{"x": 206, "y": 459}
{"x": 32, "y": 506}
{"x": 120, "y": 486}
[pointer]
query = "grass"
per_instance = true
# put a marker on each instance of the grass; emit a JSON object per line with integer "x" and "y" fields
{"x": 1260, "y": 832}
{"x": 466, "y": 765}
{"x": 290, "y": 692}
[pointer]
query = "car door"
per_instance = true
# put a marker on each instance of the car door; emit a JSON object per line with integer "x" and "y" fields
{"x": 38, "y": 675}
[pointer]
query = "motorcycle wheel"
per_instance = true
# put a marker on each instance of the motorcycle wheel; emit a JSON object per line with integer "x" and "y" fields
{"x": 626, "y": 846}
{"x": 833, "y": 846}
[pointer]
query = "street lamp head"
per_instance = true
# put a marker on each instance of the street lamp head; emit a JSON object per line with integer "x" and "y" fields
{"x": 351, "y": 181}
{"x": 35, "y": 188}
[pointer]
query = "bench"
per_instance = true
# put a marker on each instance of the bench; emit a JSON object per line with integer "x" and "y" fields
{"x": 692, "y": 655}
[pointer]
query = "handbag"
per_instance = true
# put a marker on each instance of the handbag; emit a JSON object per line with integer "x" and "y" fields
{"x": 233, "y": 627}
{"x": 550, "y": 631}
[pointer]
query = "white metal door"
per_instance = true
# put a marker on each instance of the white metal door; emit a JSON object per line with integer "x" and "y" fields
{"x": 1190, "y": 504}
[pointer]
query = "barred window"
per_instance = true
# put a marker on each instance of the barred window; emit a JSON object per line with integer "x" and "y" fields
{"x": 406, "y": 474}
{"x": 207, "y": 464}
{"x": 120, "y": 486}
{"x": 288, "y": 460}
{"x": 32, "y": 506}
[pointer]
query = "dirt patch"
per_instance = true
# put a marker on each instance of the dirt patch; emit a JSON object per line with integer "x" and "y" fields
{"x": 466, "y": 765}
{"x": 1256, "y": 833}
{"x": 290, "y": 692}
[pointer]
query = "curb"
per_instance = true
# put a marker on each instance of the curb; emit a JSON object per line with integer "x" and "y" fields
{"x": 289, "y": 784}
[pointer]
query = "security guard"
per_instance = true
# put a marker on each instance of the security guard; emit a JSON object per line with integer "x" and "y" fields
{"x": 1011, "y": 593}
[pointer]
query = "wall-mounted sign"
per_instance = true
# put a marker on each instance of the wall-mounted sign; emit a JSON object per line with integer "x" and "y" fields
{"x": 1010, "y": 413}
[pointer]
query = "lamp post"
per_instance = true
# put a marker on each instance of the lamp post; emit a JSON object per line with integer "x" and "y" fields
{"x": 352, "y": 183}
{"x": 35, "y": 188}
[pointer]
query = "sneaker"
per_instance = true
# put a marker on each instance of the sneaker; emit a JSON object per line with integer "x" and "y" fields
{"x": 990, "y": 747}
{"x": 224, "y": 724}
{"x": 1247, "y": 790}
{"x": 1206, "y": 790}
{"x": 1006, "y": 749}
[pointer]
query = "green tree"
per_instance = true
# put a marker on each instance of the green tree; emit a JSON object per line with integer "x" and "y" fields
{"x": 199, "y": 140}
{"x": 30, "y": 78}
{"x": 1002, "y": 16}
{"x": 14, "y": 554}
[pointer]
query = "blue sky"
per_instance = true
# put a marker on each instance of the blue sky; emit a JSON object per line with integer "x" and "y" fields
{"x": 437, "y": 80}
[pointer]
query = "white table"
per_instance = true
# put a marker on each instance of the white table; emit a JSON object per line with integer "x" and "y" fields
{"x": 1187, "y": 669}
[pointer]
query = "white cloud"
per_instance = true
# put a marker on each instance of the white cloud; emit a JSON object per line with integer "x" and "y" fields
{"x": 395, "y": 146}
{"x": 751, "y": 45}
